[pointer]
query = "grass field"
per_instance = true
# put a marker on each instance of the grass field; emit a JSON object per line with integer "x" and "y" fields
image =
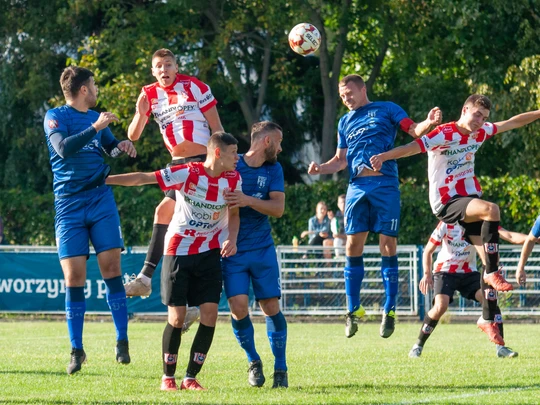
{"x": 458, "y": 366}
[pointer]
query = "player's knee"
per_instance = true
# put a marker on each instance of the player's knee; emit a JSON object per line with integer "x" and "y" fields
{"x": 270, "y": 307}
{"x": 491, "y": 212}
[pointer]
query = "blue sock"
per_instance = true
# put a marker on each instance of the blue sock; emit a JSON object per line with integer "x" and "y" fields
{"x": 276, "y": 329}
{"x": 354, "y": 274}
{"x": 389, "y": 272}
{"x": 75, "y": 309}
{"x": 245, "y": 335}
{"x": 116, "y": 298}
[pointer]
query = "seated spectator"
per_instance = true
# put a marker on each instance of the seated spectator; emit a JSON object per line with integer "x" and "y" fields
{"x": 319, "y": 229}
{"x": 337, "y": 226}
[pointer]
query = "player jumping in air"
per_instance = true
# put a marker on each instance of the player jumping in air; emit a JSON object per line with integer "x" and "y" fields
{"x": 373, "y": 199}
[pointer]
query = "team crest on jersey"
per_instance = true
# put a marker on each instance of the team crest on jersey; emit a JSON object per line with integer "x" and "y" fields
{"x": 154, "y": 101}
{"x": 261, "y": 181}
{"x": 169, "y": 358}
{"x": 53, "y": 124}
{"x": 199, "y": 358}
{"x": 372, "y": 113}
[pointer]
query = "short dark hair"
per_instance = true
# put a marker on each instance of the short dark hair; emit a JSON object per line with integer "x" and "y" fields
{"x": 344, "y": 196}
{"x": 162, "y": 53}
{"x": 72, "y": 79}
{"x": 260, "y": 128}
{"x": 352, "y": 78}
{"x": 478, "y": 100}
{"x": 221, "y": 140}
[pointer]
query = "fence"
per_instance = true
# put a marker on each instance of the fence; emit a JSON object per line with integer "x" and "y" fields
{"x": 311, "y": 278}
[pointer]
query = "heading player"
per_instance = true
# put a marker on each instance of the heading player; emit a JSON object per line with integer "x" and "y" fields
{"x": 455, "y": 270}
{"x": 185, "y": 110}
{"x": 85, "y": 208}
{"x": 203, "y": 226}
{"x": 373, "y": 199}
{"x": 262, "y": 195}
{"x": 454, "y": 191}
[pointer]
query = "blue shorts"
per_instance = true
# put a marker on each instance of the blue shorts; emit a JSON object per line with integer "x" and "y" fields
{"x": 373, "y": 205}
{"x": 260, "y": 265}
{"x": 536, "y": 228}
{"x": 87, "y": 216}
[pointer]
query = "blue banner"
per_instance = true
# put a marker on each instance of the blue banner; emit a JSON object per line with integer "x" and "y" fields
{"x": 33, "y": 282}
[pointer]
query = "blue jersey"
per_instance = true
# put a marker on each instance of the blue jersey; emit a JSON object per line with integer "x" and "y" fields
{"x": 367, "y": 131}
{"x": 86, "y": 168}
{"x": 258, "y": 182}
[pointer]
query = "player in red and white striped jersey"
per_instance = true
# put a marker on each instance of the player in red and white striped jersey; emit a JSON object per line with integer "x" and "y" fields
{"x": 185, "y": 110}
{"x": 455, "y": 269}
{"x": 203, "y": 226}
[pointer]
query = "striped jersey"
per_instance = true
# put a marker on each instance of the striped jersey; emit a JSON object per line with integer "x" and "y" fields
{"x": 85, "y": 169}
{"x": 451, "y": 162}
{"x": 456, "y": 254}
{"x": 258, "y": 182}
{"x": 200, "y": 220}
{"x": 367, "y": 131}
{"x": 178, "y": 109}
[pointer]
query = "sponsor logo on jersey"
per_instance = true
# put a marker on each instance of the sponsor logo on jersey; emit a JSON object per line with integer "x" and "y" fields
{"x": 199, "y": 358}
{"x": 215, "y": 215}
{"x": 53, "y": 124}
{"x": 198, "y": 204}
{"x": 169, "y": 358}
{"x": 154, "y": 101}
{"x": 166, "y": 175}
{"x": 468, "y": 148}
{"x": 230, "y": 174}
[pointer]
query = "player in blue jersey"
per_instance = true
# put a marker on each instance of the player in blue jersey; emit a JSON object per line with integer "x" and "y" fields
{"x": 373, "y": 198}
{"x": 85, "y": 208}
{"x": 262, "y": 195}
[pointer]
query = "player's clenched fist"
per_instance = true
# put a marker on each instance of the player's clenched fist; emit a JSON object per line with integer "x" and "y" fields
{"x": 105, "y": 118}
{"x": 435, "y": 116}
{"x": 314, "y": 168}
{"x": 376, "y": 162}
{"x": 128, "y": 148}
{"x": 228, "y": 249}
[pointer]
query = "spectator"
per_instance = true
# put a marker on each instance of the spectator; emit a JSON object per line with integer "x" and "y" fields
{"x": 337, "y": 226}
{"x": 318, "y": 226}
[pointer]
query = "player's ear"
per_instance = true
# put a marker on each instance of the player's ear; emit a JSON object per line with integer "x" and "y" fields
{"x": 217, "y": 152}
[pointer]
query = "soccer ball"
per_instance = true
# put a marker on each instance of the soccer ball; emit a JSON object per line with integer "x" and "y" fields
{"x": 304, "y": 39}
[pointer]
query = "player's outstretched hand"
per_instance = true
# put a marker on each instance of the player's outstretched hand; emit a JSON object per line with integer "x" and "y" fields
{"x": 228, "y": 249}
{"x": 435, "y": 116}
{"x": 521, "y": 277}
{"x": 128, "y": 148}
{"x": 376, "y": 162}
{"x": 235, "y": 198}
{"x": 142, "y": 104}
{"x": 105, "y": 118}
{"x": 426, "y": 283}
{"x": 314, "y": 168}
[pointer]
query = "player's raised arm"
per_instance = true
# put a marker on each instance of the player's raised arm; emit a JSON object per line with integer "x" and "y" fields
{"x": 434, "y": 117}
{"x": 334, "y": 165}
{"x": 517, "y": 121}
{"x": 213, "y": 119}
{"x": 140, "y": 118}
{"x": 132, "y": 179}
{"x": 427, "y": 261}
{"x": 410, "y": 149}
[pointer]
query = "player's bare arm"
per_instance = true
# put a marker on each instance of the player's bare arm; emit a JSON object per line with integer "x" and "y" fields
{"x": 517, "y": 121}
{"x": 426, "y": 283}
{"x": 212, "y": 117}
{"x": 528, "y": 245}
{"x": 229, "y": 246}
{"x": 515, "y": 238}
{"x": 434, "y": 117}
{"x": 402, "y": 151}
{"x": 104, "y": 119}
{"x": 140, "y": 118}
{"x": 131, "y": 179}
{"x": 334, "y": 165}
{"x": 273, "y": 207}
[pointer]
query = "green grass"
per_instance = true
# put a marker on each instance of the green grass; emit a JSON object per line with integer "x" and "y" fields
{"x": 458, "y": 366}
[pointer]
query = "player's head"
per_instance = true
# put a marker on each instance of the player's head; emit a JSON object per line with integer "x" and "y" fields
{"x": 223, "y": 147}
{"x": 78, "y": 83}
{"x": 164, "y": 67}
{"x": 352, "y": 90}
{"x": 321, "y": 210}
{"x": 341, "y": 203}
{"x": 475, "y": 112}
{"x": 270, "y": 135}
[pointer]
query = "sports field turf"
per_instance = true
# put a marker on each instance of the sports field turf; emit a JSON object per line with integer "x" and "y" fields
{"x": 458, "y": 366}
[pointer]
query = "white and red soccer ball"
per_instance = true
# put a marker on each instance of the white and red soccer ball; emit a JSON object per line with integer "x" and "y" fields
{"x": 304, "y": 39}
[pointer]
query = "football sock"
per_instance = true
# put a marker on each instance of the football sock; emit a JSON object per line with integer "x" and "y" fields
{"x": 499, "y": 321}
{"x": 155, "y": 249}
{"x": 75, "y": 309}
{"x": 116, "y": 298}
{"x": 169, "y": 346}
{"x": 199, "y": 349}
{"x": 389, "y": 271}
{"x": 276, "y": 329}
{"x": 490, "y": 240}
{"x": 354, "y": 274}
{"x": 489, "y": 301}
{"x": 245, "y": 335}
{"x": 427, "y": 328}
